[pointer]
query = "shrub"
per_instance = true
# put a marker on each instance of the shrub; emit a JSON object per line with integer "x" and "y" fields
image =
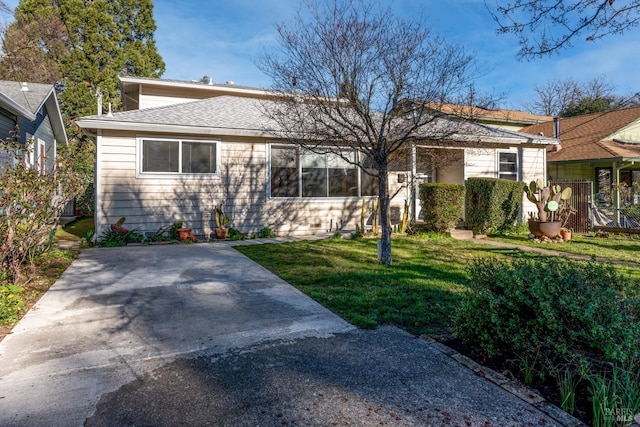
{"x": 110, "y": 239}
{"x": 173, "y": 230}
{"x": 10, "y": 303}
{"x": 31, "y": 202}
{"x": 493, "y": 204}
{"x": 442, "y": 205}
{"x": 236, "y": 234}
{"x": 266, "y": 233}
{"x": 551, "y": 311}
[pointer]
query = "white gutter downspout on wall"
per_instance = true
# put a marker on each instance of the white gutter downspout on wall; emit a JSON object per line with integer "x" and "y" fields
{"x": 97, "y": 182}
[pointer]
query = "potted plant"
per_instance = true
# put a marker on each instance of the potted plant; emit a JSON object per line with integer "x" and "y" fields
{"x": 548, "y": 200}
{"x": 178, "y": 232}
{"x": 564, "y": 212}
{"x": 222, "y": 220}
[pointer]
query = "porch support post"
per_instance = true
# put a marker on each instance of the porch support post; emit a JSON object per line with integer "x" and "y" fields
{"x": 413, "y": 184}
{"x": 616, "y": 194}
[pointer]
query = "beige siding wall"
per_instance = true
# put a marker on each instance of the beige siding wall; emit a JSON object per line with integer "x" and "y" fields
{"x": 149, "y": 203}
{"x": 158, "y": 97}
{"x": 628, "y": 133}
{"x": 482, "y": 163}
{"x": 147, "y": 101}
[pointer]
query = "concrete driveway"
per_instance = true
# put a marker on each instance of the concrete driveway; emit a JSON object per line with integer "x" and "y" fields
{"x": 200, "y": 335}
{"x": 118, "y": 313}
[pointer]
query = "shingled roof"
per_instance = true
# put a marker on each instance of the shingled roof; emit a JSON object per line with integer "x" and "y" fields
{"x": 608, "y": 135}
{"x": 478, "y": 113}
{"x": 26, "y": 98}
{"x": 232, "y": 115}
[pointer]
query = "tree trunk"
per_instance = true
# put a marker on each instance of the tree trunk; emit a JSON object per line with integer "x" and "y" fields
{"x": 385, "y": 241}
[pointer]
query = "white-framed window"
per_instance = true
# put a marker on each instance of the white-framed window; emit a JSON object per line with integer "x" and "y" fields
{"x": 170, "y": 157}
{"x": 298, "y": 173}
{"x": 508, "y": 165}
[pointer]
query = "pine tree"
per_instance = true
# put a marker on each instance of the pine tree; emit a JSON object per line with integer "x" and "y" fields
{"x": 80, "y": 46}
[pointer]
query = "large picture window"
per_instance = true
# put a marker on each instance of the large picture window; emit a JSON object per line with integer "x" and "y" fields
{"x": 178, "y": 157}
{"x": 508, "y": 166}
{"x": 296, "y": 173}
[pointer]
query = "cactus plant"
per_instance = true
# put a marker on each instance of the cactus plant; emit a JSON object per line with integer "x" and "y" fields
{"x": 222, "y": 220}
{"x": 546, "y": 199}
{"x": 405, "y": 217}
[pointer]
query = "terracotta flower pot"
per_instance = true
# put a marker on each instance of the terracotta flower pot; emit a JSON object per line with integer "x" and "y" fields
{"x": 222, "y": 232}
{"x": 184, "y": 233}
{"x": 534, "y": 227}
{"x": 565, "y": 234}
{"x": 549, "y": 229}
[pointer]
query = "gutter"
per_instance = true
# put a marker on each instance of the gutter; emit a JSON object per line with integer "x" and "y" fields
{"x": 159, "y": 128}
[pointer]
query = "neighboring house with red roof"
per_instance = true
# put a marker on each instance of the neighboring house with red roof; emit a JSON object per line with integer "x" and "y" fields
{"x": 498, "y": 118}
{"x": 601, "y": 147}
{"x": 181, "y": 148}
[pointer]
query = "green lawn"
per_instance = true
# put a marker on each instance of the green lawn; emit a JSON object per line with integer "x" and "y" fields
{"x": 78, "y": 228}
{"x": 616, "y": 248}
{"x": 419, "y": 293}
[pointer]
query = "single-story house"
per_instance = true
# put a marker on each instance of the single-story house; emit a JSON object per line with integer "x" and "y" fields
{"x": 183, "y": 147}
{"x": 603, "y": 148}
{"x": 34, "y": 109}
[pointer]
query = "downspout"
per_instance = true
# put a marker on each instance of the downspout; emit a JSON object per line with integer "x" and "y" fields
{"x": 97, "y": 183}
{"x": 556, "y": 135}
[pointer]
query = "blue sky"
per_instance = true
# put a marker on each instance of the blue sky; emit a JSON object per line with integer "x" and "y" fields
{"x": 222, "y": 39}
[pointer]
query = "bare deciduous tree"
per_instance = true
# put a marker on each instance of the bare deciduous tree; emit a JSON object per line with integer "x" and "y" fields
{"x": 547, "y": 26}
{"x": 559, "y": 97}
{"x": 349, "y": 69}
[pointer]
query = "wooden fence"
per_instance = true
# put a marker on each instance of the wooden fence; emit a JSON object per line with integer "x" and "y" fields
{"x": 581, "y": 201}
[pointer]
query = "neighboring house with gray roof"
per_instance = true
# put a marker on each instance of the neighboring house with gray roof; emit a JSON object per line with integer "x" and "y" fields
{"x": 182, "y": 148}
{"x": 34, "y": 109}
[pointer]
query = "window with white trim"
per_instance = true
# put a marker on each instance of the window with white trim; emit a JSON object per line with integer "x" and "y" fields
{"x": 508, "y": 165}
{"x": 176, "y": 156}
{"x": 299, "y": 173}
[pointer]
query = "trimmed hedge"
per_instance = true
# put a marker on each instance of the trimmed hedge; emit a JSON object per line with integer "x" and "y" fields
{"x": 442, "y": 205}
{"x": 493, "y": 204}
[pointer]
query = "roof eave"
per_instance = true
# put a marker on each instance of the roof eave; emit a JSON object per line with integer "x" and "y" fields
{"x": 53, "y": 109}
{"x": 505, "y": 140}
{"x": 190, "y": 85}
{"x": 93, "y": 124}
{"x": 598, "y": 160}
{"x": 15, "y": 108}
